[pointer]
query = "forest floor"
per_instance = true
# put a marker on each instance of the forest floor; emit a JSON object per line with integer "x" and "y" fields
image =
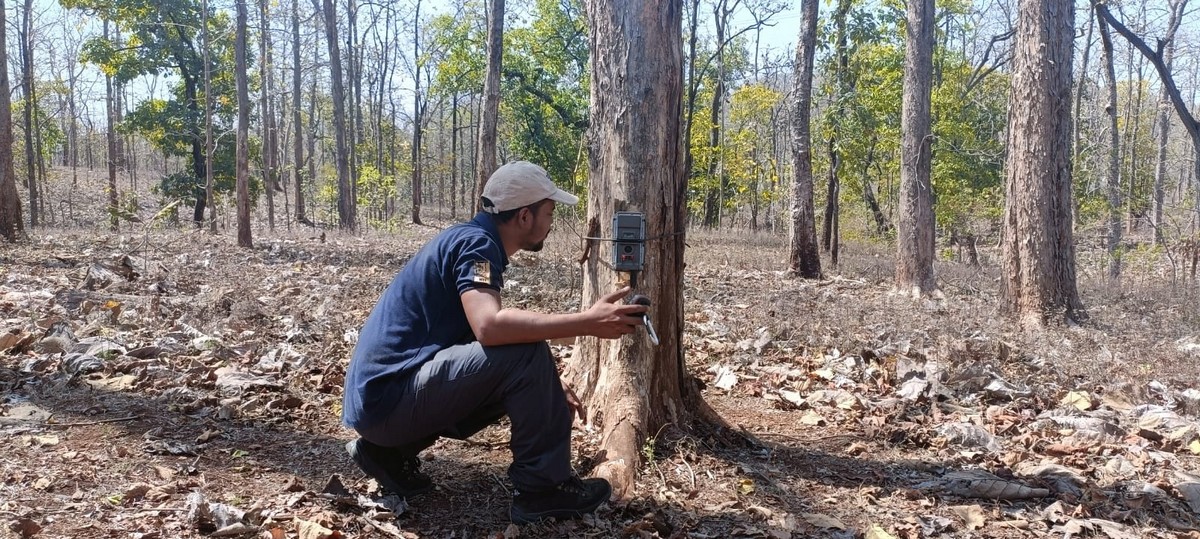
{"x": 166, "y": 383}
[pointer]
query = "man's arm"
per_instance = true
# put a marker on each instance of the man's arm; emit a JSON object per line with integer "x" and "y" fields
{"x": 494, "y": 325}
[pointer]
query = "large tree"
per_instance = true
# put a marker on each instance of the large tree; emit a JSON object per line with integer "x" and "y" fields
{"x": 11, "y": 223}
{"x": 635, "y": 163}
{"x": 804, "y": 257}
{"x": 914, "y": 256}
{"x": 1038, "y": 248}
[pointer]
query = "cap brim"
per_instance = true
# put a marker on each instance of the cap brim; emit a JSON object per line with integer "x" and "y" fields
{"x": 564, "y": 197}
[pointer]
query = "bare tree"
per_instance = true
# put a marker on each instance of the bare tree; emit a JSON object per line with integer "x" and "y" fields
{"x": 914, "y": 256}
{"x": 418, "y": 119}
{"x": 1164, "y": 118}
{"x": 1114, "y": 153}
{"x": 1164, "y": 72}
{"x": 33, "y": 182}
{"x": 243, "y": 129}
{"x": 297, "y": 123}
{"x": 804, "y": 257}
{"x": 347, "y": 210}
{"x": 486, "y": 151}
{"x": 12, "y": 226}
{"x": 111, "y": 137}
{"x": 1038, "y": 248}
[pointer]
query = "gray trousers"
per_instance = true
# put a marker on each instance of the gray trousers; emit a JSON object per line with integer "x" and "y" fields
{"x": 467, "y": 387}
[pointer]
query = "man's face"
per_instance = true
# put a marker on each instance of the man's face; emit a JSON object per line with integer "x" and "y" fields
{"x": 541, "y": 220}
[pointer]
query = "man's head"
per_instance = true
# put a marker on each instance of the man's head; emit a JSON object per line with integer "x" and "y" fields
{"x": 521, "y": 197}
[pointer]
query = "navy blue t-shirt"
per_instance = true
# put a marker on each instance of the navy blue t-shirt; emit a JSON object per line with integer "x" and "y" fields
{"x": 420, "y": 314}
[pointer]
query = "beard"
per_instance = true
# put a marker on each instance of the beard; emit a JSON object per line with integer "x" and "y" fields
{"x": 536, "y": 247}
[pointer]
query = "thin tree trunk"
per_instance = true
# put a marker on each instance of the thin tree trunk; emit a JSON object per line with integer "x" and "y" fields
{"x": 27, "y": 84}
{"x": 1167, "y": 44}
{"x": 111, "y": 138}
{"x": 804, "y": 258}
{"x": 418, "y": 119}
{"x": 1114, "y": 152}
{"x": 485, "y": 161}
{"x": 915, "y": 230}
{"x": 266, "y": 77}
{"x": 243, "y": 132}
{"x": 12, "y": 225}
{"x": 346, "y": 204}
{"x": 297, "y": 121}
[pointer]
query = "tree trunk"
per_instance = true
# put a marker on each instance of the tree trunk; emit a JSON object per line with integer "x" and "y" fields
{"x": 298, "y": 143}
{"x": 830, "y": 232}
{"x": 346, "y": 203}
{"x": 635, "y": 164}
{"x": 1037, "y": 246}
{"x": 266, "y": 79}
{"x": 243, "y": 131}
{"x": 27, "y": 84}
{"x": 12, "y": 225}
{"x": 804, "y": 257}
{"x": 418, "y": 113}
{"x": 207, "y": 193}
{"x": 1113, "y": 173}
{"x": 485, "y": 161}
{"x": 715, "y": 197}
{"x": 111, "y": 139}
{"x": 1164, "y": 121}
{"x": 914, "y": 233}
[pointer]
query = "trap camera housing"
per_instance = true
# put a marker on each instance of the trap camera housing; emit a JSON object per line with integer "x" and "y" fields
{"x": 629, "y": 241}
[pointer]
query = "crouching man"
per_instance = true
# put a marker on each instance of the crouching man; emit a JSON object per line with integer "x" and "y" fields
{"x": 439, "y": 355}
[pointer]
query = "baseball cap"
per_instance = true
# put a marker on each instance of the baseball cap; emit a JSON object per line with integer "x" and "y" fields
{"x": 518, "y": 184}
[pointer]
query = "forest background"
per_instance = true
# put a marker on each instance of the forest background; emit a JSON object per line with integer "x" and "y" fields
{"x": 414, "y": 73}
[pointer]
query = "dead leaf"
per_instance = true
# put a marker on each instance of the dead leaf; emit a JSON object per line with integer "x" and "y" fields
{"x": 745, "y": 486}
{"x": 164, "y": 472}
{"x": 725, "y": 379}
{"x": 812, "y": 418}
{"x": 877, "y": 532}
{"x": 822, "y": 520}
{"x": 1080, "y": 400}
{"x": 207, "y": 436}
{"x": 971, "y": 515}
{"x": 26, "y": 527}
{"x": 312, "y": 530}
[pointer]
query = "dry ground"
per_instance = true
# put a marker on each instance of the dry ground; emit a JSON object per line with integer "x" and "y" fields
{"x": 198, "y": 387}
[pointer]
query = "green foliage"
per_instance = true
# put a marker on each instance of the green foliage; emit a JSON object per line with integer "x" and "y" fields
{"x": 51, "y": 133}
{"x": 165, "y": 37}
{"x": 544, "y": 103}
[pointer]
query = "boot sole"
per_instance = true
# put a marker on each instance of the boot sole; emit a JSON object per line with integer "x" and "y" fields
{"x": 380, "y": 475}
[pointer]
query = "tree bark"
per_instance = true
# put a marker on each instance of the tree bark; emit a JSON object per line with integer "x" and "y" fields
{"x": 1113, "y": 183}
{"x": 1164, "y": 121}
{"x": 635, "y": 163}
{"x": 804, "y": 258}
{"x": 297, "y": 121}
{"x": 418, "y": 113}
{"x": 27, "y": 84}
{"x": 914, "y": 257}
{"x": 347, "y": 210}
{"x": 111, "y": 139}
{"x": 243, "y": 131}
{"x": 12, "y": 225}
{"x": 267, "y": 79}
{"x": 1037, "y": 245}
{"x": 485, "y": 161}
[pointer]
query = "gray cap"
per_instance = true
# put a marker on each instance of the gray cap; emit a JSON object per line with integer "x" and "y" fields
{"x": 521, "y": 183}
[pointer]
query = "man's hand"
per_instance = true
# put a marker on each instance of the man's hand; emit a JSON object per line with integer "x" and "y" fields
{"x": 573, "y": 402}
{"x": 611, "y": 319}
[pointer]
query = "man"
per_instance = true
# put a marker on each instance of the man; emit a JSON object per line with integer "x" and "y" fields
{"x": 440, "y": 356}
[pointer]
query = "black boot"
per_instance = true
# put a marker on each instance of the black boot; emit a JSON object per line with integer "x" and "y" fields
{"x": 394, "y": 471}
{"x": 571, "y": 498}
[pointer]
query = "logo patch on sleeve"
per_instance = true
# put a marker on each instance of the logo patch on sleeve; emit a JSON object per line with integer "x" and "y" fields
{"x": 482, "y": 272}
